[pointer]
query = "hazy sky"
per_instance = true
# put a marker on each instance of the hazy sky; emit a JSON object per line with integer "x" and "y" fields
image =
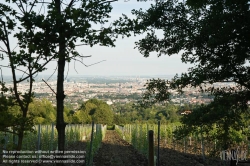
{"x": 122, "y": 59}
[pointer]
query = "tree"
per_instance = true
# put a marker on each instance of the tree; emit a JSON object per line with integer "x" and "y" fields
{"x": 7, "y": 118}
{"x": 82, "y": 116}
{"x": 42, "y": 111}
{"x": 24, "y": 61}
{"x": 119, "y": 120}
{"x": 213, "y": 35}
{"x": 99, "y": 111}
{"x": 103, "y": 115}
{"x": 70, "y": 25}
{"x": 54, "y": 35}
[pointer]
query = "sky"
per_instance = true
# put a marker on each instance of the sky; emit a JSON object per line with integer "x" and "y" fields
{"x": 122, "y": 59}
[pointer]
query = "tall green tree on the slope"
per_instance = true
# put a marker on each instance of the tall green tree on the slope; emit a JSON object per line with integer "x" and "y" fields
{"x": 23, "y": 61}
{"x": 96, "y": 110}
{"x": 42, "y": 111}
{"x": 54, "y": 35}
{"x": 73, "y": 24}
{"x": 213, "y": 35}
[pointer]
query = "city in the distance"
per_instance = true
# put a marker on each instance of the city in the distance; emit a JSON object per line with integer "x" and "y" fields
{"x": 111, "y": 89}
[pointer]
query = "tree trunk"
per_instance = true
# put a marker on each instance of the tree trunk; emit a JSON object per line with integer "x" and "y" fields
{"x": 60, "y": 124}
{"x": 19, "y": 145}
{"x": 20, "y": 141}
{"x": 20, "y": 135}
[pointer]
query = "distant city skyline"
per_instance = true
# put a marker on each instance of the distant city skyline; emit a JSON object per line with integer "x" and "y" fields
{"x": 122, "y": 60}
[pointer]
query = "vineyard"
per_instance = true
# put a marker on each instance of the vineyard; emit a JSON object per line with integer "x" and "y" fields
{"x": 196, "y": 146}
{"x": 44, "y": 138}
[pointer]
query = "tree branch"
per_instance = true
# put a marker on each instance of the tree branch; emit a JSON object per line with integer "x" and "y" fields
{"x": 45, "y": 2}
{"x": 8, "y": 131}
{"x": 1, "y": 74}
{"x": 81, "y": 44}
{"x": 67, "y": 72}
{"x": 41, "y": 7}
{"x": 32, "y": 5}
{"x": 21, "y": 6}
{"x": 37, "y": 69}
{"x": 87, "y": 65}
{"x": 71, "y": 3}
{"x": 49, "y": 87}
{"x": 14, "y": 47}
{"x": 12, "y": 67}
{"x": 85, "y": 56}
{"x": 52, "y": 73}
{"x": 24, "y": 73}
{"x": 108, "y": 1}
{"x": 75, "y": 66}
{"x": 239, "y": 77}
{"x": 2, "y": 50}
{"x": 30, "y": 90}
{"x": 81, "y": 56}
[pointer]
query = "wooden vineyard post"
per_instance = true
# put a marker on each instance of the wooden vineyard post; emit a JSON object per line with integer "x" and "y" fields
{"x": 158, "y": 152}
{"x": 150, "y": 148}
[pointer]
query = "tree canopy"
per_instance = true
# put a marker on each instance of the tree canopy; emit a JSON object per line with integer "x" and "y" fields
{"x": 96, "y": 110}
{"x": 213, "y": 36}
{"x": 47, "y": 31}
{"x": 42, "y": 111}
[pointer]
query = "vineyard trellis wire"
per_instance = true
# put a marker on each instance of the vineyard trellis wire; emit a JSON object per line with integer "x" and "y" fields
{"x": 197, "y": 143}
{"x": 44, "y": 138}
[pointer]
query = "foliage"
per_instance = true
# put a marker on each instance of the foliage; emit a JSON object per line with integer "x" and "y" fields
{"x": 156, "y": 92}
{"x": 129, "y": 113}
{"x": 220, "y": 118}
{"x": 42, "y": 111}
{"x": 7, "y": 119}
{"x": 98, "y": 136}
{"x": 103, "y": 116}
{"x": 119, "y": 120}
{"x": 213, "y": 35}
{"x": 52, "y": 35}
{"x": 23, "y": 61}
{"x": 96, "y": 110}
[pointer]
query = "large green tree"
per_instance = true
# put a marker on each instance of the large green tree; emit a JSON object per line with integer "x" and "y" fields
{"x": 42, "y": 111}
{"x": 23, "y": 61}
{"x": 97, "y": 110}
{"x": 52, "y": 31}
{"x": 213, "y": 35}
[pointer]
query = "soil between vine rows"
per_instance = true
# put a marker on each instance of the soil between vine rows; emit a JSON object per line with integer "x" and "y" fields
{"x": 115, "y": 151}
